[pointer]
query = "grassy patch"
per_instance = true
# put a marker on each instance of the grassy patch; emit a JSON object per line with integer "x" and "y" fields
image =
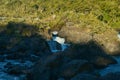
{"x": 55, "y": 13}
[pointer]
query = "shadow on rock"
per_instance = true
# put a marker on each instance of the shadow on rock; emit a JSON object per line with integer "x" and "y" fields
{"x": 20, "y": 40}
{"x": 73, "y": 61}
{"x": 91, "y": 52}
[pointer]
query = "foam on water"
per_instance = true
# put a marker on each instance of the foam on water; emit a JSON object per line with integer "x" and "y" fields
{"x": 118, "y": 35}
{"x": 53, "y": 45}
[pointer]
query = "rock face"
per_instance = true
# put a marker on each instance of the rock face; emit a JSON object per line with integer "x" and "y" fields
{"x": 20, "y": 41}
{"x": 75, "y": 66}
{"x": 57, "y": 66}
{"x": 84, "y": 55}
{"x": 91, "y": 52}
{"x": 107, "y": 39}
{"x": 75, "y": 34}
{"x": 73, "y": 61}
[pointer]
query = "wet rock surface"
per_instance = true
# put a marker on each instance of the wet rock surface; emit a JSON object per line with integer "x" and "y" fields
{"x": 20, "y": 48}
{"x": 24, "y": 52}
{"x": 71, "y": 62}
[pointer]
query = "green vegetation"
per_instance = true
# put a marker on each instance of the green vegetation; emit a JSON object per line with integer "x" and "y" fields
{"x": 97, "y": 15}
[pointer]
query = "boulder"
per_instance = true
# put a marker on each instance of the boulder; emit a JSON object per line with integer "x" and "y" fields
{"x": 75, "y": 34}
{"x": 90, "y": 51}
{"x": 107, "y": 39}
{"x": 109, "y": 42}
{"x": 57, "y": 66}
{"x": 74, "y": 67}
{"x": 41, "y": 70}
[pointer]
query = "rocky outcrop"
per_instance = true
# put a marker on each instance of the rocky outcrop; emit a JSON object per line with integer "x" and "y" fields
{"x": 74, "y": 67}
{"x": 108, "y": 39}
{"x": 75, "y": 34}
{"x": 20, "y": 41}
{"x": 86, "y": 53}
{"x": 92, "y": 52}
{"x": 76, "y": 59}
{"x": 57, "y": 66}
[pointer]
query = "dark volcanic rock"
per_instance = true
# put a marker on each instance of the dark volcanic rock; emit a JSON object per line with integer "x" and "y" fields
{"x": 56, "y": 66}
{"x": 35, "y": 44}
{"x": 44, "y": 68}
{"x": 74, "y": 60}
{"x": 74, "y": 67}
{"x": 28, "y": 46}
{"x": 91, "y": 52}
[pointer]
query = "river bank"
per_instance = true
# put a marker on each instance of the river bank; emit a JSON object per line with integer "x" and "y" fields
{"x": 24, "y": 50}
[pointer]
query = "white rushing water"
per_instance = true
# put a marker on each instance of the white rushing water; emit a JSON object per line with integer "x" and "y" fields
{"x": 118, "y": 35}
{"x": 5, "y": 76}
{"x": 111, "y": 68}
{"x": 53, "y": 45}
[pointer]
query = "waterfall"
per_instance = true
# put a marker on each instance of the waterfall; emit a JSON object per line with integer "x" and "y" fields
{"x": 118, "y": 35}
{"x": 55, "y": 41}
{"x": 52, "y": 45}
